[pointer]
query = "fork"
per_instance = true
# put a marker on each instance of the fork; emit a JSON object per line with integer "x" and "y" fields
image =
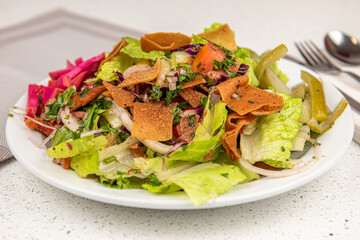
{"x": 314, "y": 56}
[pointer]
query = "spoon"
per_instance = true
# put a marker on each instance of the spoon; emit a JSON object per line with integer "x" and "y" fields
{"x": 343, "y": 47}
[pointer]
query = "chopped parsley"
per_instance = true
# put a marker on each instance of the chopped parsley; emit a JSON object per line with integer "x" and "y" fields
{"x": 62, "y": 100}
{"x": 225, "y": 175}
{"x": 156, "y": 93}
{"x": 168, "y": 54}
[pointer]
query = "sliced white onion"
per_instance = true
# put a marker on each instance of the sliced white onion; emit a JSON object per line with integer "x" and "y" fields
{"x": 172, "y": 85}
{"x": 47, "y": 139}
{"x": 92, "y": 132}
{"x": 135, "y": 68}
{"x": 283, "y": 173}
{"x": 68, "y": 119}
{"x": 128, "y": 123}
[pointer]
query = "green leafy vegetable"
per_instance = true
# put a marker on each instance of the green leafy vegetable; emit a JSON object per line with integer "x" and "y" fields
{"x": 86, "y": 163}
{"x": 271, "y": 141}
{"x": 76, "y": 147}
{"x": 133, "y": 49}
{"x": 206, "y": 181}
{"x": 63, "y": 134}
{"x": 62, "y": 100}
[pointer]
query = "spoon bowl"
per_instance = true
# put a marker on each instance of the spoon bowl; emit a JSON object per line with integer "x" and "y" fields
{"x": 343, "y": 46}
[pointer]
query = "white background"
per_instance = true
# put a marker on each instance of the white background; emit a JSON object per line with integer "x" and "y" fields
{"x": 327, "y": 208}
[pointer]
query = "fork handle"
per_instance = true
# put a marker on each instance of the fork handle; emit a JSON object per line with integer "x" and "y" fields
{"x": 357, "y": 77}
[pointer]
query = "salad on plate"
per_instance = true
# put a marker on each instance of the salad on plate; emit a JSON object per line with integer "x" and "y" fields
{"x": 171, "y": 112}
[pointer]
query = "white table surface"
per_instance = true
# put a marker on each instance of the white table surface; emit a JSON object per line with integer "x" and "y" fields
{"x": 326, "y": 208}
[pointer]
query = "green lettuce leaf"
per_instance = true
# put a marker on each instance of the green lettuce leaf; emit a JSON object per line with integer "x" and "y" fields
{"x": 162, "y": 188}
{"x": 207, "y": 180}
{"x": 133, "y": 49}
{"x": 76, "y": 147}
{"x": 63, "y": 134}
{"x": 118, "y": 63}
{"x": 86, "y": 164}
{"x": 212, "y": 27}
{"x": 243, "y": 55}
{"x": 271, "y": 141}
{"x": 196, "y": 39}
{"x": 123, "y": 182}
{"x": 62, "y": 100}
{"x": 207, "y": 138}
{"x": 242, "y": 52}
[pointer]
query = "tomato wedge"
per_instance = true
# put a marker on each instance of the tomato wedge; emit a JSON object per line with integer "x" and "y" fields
{"x": 203, "y": 61}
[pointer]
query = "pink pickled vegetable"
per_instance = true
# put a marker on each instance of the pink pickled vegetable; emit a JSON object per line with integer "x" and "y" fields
{"x": 78, "y": 61}
{"x": 64, "y": 81}
{"x": 78, "y": 80}
{"x": 33, "y": 99}
{"x": 69, "y": 64}
{"x": 56, "y": 74}
{"x": 52, "y": 83}
{"x": 84, "y": 65}
{"x": 49, "y": 93}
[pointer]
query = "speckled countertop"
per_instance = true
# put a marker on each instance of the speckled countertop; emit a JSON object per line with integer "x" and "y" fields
{"x": 326, "y": 208}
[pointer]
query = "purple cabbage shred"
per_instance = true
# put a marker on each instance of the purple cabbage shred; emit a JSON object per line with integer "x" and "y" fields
{"x": 194, "y": 48}
{"x": 243, "y": 69}
{"x": 121, "y": 77}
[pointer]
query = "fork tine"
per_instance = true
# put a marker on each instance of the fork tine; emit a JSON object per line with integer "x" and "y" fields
{"x": 304, "y": 53}
{"x": 321, "y": 53}
{"x": 316, "y": 52}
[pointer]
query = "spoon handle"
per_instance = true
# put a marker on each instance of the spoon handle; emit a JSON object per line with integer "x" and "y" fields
{"x": 357, "y": 77}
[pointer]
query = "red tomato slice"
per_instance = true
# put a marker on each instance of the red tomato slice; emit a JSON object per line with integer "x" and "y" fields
{"x": 203, "y": 61}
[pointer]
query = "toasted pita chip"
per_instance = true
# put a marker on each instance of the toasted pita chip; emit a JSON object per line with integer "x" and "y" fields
{"x": 192, "y": 96}
{"x": 153, "y": 121}
{"x": 113, "y": 53}
{"x": 230, "y": 86}
{"x": 122, "y": 97}
{"x": 222, "y": 35}
{"x": 107, "y": 94}
{"x": 163, "y": 41}
{"x": 91, "y": 95}
{"x": 229, "y": 139}
{"x": 256, "y": 101}
{"x": 196, "y": 81}
{"x": 142, "y": 76}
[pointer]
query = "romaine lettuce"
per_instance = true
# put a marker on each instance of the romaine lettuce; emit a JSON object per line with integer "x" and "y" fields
{"x": 271, "y": 141}
{"x": 133, "y": 49}
{"x": 86, "y": 163}
{"x": 76, "y": 147}
{"x": 63, "y": 134}
{"x": 207, "y": 180}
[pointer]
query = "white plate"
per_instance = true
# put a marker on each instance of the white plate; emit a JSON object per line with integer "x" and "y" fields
{"x": 334, "y": 144}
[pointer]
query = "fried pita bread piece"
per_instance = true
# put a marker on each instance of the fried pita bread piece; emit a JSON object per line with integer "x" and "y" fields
{"x": 153, "y": 121}
{"x": 108, "y": 94}
{"x": 142, "y": 76}
{"x": 223, "y": 36}
{"x": 231, "y": 86}
{"x": 113, "y": 53}
{"x": 234, "y": 123}
{"x": 122, "y": 97}
{"x": 90, "y": 96}
{"x": 255, "y": 101}
{"x": 192, "y": 96}
{"x": 196, "y": 81}
{"x": 163, "y": 41}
